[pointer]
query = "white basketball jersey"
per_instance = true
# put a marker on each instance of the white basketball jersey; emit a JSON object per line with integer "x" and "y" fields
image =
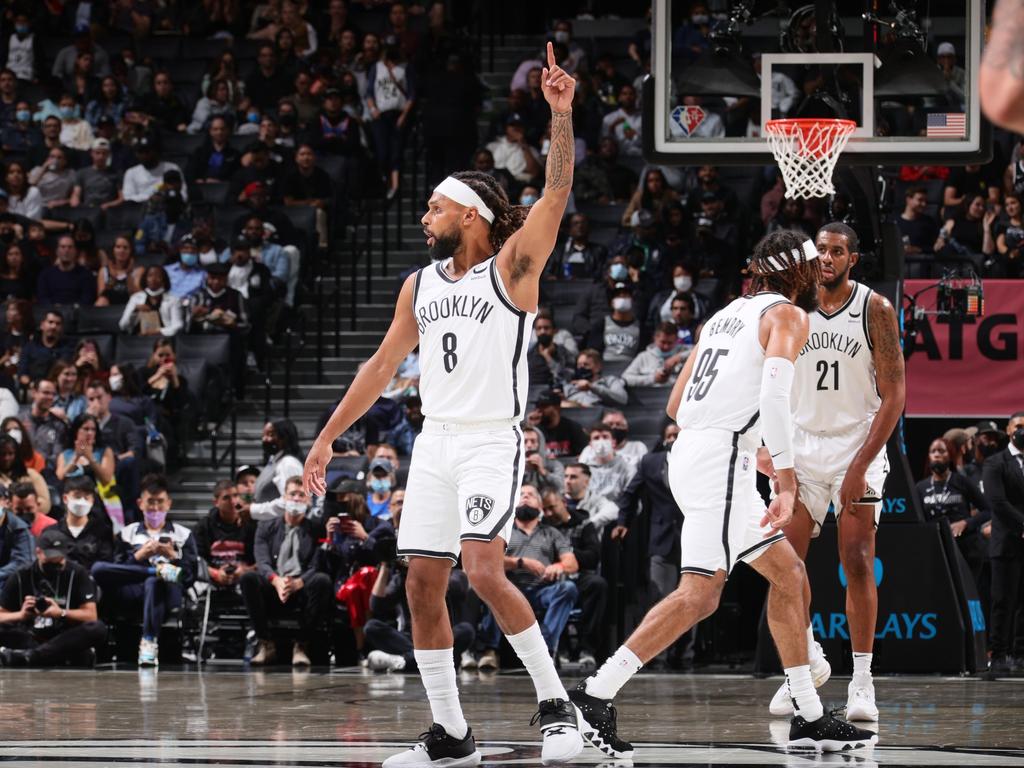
{"x": 724, "y": 390}
{"x": 834, "y": 387}
{"x": 472, "y": 345}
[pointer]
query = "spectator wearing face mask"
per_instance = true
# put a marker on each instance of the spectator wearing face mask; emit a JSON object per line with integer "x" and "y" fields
{"x": 618, "y": 425}
{"x": 284, "y": 459}
{"x": 610, "y": 473}
{"x": 538, "y": 560}
{"x": 380, "y": 479}
{"x": 288, "y": 578}
{"x": 25, "y": 504}
{"x": 592, "y": 306}
{"x": 660, "y": 363}
{"x": 1004, "y": 488}
{"x": 185, "y": 275}
{"x": 540, "y": 471}
{"x": 588, "y": 387}
{"x": 618, "y": 335}
{"x": 155, "y": 561}
{"x": 48, "y": 609}
{"x": 988, "y": 441}
{"x": 682, "y": 278}
{"x": 549, "y": 362}
{"x": 564, "y": 436}
{"x": 153, "y": 311}
{"x": 86, "y": 524}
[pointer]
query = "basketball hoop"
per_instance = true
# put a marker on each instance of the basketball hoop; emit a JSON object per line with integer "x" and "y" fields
{"x": 806, "y": 151}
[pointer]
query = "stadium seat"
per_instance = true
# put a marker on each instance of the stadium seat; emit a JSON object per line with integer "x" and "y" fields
{"x": 196, "y": 373}
{"x": 182, "y": 143}
{"x": 99, "y": 319}
{"x": 124, "y": 217}
{"x": 204, "y": 50}
{"x": 603, "y": 215}
{"x": 134, "y": 349}
{"x": 186, "y": 70}
{"x": 214, "y": 348}
{"x": 67, "y": 311}
{"x": 163, "y": 48}
{"x": 66, "y": 213}
{"x": 216, "y": 194}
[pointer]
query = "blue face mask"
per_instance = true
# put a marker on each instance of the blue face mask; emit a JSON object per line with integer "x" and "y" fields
{"x": 618, "y": 271}
{"x": 528, "y": 200}
{"x": 190, "y": 259}
{"x": 67, "y": 112}
{"x": 21, "y": 29}
{"x": 253, "y": 117}
{"x": 22, "y": 115}
{"x": 380, "y": 485}
{"x": 665, "y": 354}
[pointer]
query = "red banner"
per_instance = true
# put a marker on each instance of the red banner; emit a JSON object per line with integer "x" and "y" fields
{"x": 968, "y": 368}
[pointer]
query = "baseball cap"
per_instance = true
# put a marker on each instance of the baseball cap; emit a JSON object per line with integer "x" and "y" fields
{"x": 218, "y": 268}
{"x": 241, "y": 243}
{"x": 100, "y": 144}
{"x": 641, "y": 218}
{"x": 548, "y": 397}
{"x": 514, "y": 119}
{"x": 622, "y": 288}
{"x": 144, "y": 142}
{"x": 946, "y": 49}
{"x": 245, "y": 469}
{"x": 187, "y": 240}
{"x": 53, "y": 542}
{"x": 382, "y": 464}
{"x": 106, "y": 120}
{"x": 332, "y": 92}
{"x": 253, "y": 187}
{"x": 987, "y": 425}
{"x": 347, "y": 485}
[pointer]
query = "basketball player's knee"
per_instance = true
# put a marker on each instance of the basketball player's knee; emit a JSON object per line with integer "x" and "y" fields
{"x": 858, "y": 560}
{"x": 788, "y": 579}
{"x": 702, "y": 597}
{"x": 421, "y": 591}
{"x": 484, "y": 580}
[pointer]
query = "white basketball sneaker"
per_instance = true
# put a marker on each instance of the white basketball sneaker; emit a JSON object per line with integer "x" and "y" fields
{"x": 782, "y": 701}
{"x": 560, "y": 729}
{"x": 860, "y": 701}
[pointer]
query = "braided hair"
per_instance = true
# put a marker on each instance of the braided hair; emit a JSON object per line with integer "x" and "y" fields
{"x": 798, "y": 278}
{"x": 507, "y": 217}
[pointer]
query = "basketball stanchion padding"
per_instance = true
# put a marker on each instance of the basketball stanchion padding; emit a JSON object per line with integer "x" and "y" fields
{"x": 806, "y": 151}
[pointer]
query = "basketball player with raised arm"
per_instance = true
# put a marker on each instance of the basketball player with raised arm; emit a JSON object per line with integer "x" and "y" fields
{"x": 733, "y": 392}
{"x": 470, "y": 312}
{"x": 848, "y": 395}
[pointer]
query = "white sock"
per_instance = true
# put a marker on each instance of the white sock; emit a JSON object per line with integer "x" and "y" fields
{"x": 531, "y": 649}
{"x": 437, "y": 670}
{"x": 862, "y": 663}
{"x": 812, "y": 647}
{"x": 801, "y": 687}
{"x": 614, "y": 674}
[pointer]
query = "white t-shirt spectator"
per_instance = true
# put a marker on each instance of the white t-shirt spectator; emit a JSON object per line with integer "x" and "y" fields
{"x": 21, "y": 57}
{"x": 30, "y": 205}
{"x": 140, "y": 182}
{"x": 509, "y": 156}
{"x": 621, "y": 121}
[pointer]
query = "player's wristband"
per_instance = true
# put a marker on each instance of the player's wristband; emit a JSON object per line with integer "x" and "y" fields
{"x": 776, "y": 420}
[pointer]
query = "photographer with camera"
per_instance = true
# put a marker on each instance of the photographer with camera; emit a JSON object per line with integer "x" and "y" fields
{"x": 155, "y": 562}
{"x": 390, "y": 647}
{"x": 224, "y": 540}
{"x": 48, "y": 609}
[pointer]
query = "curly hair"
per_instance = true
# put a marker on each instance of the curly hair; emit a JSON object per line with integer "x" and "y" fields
{"x": 783, "y": 245}
{"x": 507, "y": 217}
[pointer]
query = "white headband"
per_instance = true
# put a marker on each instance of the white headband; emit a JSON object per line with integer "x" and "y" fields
{"x": 778, "y": 263}
{"x": 463, "y": 194}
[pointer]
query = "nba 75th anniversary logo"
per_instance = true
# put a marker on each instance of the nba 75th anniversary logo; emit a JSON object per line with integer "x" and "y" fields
{"x": 478, "y": 508}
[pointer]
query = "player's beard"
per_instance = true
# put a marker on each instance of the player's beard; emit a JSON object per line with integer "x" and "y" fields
{"x": 445, "y": 246}
{"x": 836, "y": 281}
{"x": 807, "y": 299}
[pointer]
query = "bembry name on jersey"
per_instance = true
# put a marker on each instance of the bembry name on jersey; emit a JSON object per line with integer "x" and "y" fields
{"x": 839, "y": 342}
{"x": 729, "y": 325}
{"x": 473, "y": 307}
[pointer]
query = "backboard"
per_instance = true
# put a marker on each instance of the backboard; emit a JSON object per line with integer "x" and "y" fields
{"x": 905, "y": 70}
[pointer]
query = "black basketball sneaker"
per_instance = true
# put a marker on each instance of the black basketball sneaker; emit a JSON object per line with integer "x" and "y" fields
{"x": 828, "y": 734}
{"x": 436, "y": 747}
{"x": 597, "y": 721}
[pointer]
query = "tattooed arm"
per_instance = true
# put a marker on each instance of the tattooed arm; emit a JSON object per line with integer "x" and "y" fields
{"x": 524, "y": 255}
{"x": 1002, "y": 67}
{"x": 884, "y": 335}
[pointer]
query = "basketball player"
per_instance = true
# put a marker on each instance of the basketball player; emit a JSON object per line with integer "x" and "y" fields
{"x": 1002, "y": 67}
{"x": 848, "y": 394}
{"x": 733, "y": 392}
{"x": 470, "y": 312}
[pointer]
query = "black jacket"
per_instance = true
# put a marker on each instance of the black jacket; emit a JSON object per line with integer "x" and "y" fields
{"x": 1004, "y": 487}
{"x": 220, "y": 543}
{"x": 198, "y": 166}
{"x": 270, "y": 537}
{"x": 650, "y": 486}
{"x": 583, "y": 536}
{"x": 94, "y": 544}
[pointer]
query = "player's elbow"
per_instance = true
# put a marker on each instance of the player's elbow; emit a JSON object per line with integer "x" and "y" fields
{"x": 1002, "y": 100}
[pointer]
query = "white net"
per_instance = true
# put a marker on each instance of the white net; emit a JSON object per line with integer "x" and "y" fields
{"x": 806, "y": 151}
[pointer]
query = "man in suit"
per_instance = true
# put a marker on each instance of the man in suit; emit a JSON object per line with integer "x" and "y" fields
{"x": 649, "y": 487}
{"x": 1004, "y": 486}
{"x": 288, "y": 576}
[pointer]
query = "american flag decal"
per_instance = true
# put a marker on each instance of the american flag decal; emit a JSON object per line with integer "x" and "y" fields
{"x": 947, "y": 125}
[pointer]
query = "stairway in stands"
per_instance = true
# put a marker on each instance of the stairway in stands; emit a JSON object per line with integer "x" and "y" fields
{"x": 193, "y": 485}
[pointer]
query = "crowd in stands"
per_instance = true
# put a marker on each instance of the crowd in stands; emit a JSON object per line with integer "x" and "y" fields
{"x": 171, "y": 175}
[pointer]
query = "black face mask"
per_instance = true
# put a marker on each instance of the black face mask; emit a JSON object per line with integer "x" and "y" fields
{"x": 583, "y": 373}
{"x": 619, "y": 434}
{"x": 938, "y": 467}
{"x": 1018, "y": 438}
{"x": 545, "y": 339}
{"x": 335, "y": 508}
{"x": 269, "y": 448}
{"x": 527, "y": 514}
{"x": 988, "y": 449}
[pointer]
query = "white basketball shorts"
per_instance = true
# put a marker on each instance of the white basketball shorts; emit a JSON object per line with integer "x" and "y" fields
{"x": 821, "y": 462}
{"x": 463, "y": 485}
{"x": 713, "y": 477}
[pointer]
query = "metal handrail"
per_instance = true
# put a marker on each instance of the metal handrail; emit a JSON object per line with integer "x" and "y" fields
{"x": 231, "y": 449}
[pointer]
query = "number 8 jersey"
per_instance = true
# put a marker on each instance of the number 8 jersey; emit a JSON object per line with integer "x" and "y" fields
{"x": 473, "y": 342}
{"x": 724, "y": 389}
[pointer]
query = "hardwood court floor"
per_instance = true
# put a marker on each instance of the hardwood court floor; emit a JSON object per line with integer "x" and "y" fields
{"x": 234, "y": 717}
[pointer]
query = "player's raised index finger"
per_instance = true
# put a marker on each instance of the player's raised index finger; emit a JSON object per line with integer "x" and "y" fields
{"x": 551, "y": 54}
